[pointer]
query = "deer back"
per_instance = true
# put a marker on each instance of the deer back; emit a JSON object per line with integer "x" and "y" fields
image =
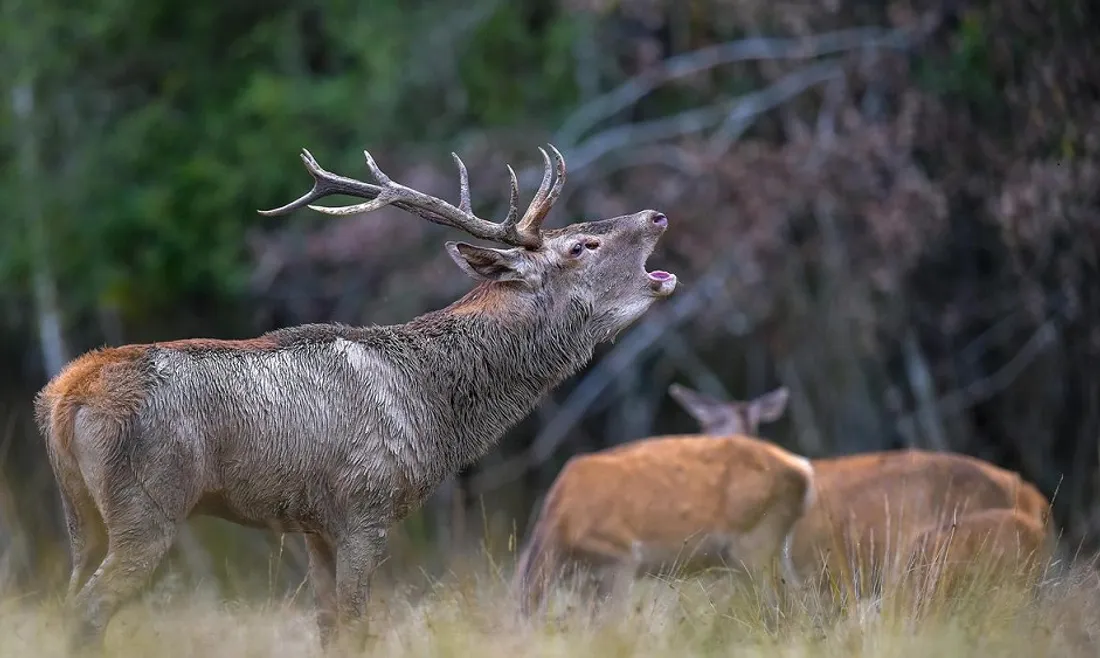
{"x": 870, "y": 506}
{"x": 662, "y": 493}
{"x": 1002, "y": 545}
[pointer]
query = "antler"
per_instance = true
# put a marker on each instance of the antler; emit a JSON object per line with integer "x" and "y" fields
{"x": 525, "y": 231}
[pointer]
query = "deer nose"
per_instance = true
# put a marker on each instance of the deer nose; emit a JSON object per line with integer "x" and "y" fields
{"x": 659, "y": 219}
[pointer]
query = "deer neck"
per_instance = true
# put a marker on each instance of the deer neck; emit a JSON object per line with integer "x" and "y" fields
{"x": 491, "y": 356}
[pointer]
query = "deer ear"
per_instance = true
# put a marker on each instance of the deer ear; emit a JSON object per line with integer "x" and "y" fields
{"x": 701, "y": 407}
{"x": 488, "y": 264}
{"x": 770, "y": 406}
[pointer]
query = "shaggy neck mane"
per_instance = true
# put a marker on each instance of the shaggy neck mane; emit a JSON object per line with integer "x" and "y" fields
{"x": 491, "y": 355}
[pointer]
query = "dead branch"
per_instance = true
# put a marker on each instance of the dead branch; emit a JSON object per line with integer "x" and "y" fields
{"x": 983, "y": 389}
{"x": 633, "y": 90}
{"x": 924, "y": 390}
{"x": 753, "y": 105}
{"x": 702, "y": 378}
{"x": 741, "y": 111}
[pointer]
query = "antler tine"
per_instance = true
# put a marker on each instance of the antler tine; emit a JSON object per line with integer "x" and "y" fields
{"x": 518, "y": 232}
{"x": 463, "y": 185}
{"x": 546, "y": 196}
{"x": 513, "y": 201}
{"x": 324, "y": 184}
{"x": 547, "y": 174}
{"x": 555, "y": 192}
{"x": 385, "y": 197}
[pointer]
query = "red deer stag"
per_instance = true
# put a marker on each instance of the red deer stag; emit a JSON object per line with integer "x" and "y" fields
{"x": 333, "y": 431}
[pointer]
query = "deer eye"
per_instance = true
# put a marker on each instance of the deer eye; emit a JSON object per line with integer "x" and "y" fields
{"x": 576, "y": 249}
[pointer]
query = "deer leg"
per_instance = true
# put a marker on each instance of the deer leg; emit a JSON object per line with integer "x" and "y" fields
{"x": 141, "y": 524}
{"x": 322, "y": 576}
{"x": 611, "y": 586}
{"x": 132, "y": 556}
{"x": 616, "y": 579}
{"x": 87, "y": 540}
{"x": 83, "y": 523}
{"x": 770, "y": 592}
{"x": 358, "y": 554}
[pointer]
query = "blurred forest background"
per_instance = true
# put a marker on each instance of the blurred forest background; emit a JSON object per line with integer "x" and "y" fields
{"x": 892, "y": 208}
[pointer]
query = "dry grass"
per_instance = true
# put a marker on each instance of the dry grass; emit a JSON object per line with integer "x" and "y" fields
{"x": 471, "y": 613}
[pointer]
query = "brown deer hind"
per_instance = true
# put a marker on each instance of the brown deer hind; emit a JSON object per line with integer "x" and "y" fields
{"x": 986, "y": 548}
{"x": 873, "y": 510}
{"x": 333, "y": 431}
{"x": 665, "y": 503}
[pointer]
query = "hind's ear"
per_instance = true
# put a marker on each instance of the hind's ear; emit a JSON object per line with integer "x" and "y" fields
{"x": 702, "y": 408}
{"x": 770, "y": 407}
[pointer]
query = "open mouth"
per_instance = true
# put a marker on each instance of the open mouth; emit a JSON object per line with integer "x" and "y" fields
{"x": 661, "y": 282}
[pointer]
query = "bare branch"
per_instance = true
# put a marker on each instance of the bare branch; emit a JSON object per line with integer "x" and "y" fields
{"x": 805, "y": 420}
{"x": 703, "y": 59}
{"x": 753, "y": 105}
{"x": 635, "y": 134}
{"x": 668, "y": 156}
{"x": 738, "y": 114}
{"x": 981, "y": 390}
{"x": 924, "y": 390}
{"x": 702, "y": 377}
{"x": 825, "y": 127}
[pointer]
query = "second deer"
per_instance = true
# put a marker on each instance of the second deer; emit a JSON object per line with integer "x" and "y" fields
{"x": 871, "y": 511}
{"x": 664, "y": 502}
{"x": 982, "y": 548}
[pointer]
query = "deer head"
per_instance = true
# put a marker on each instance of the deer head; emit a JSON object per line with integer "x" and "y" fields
{"x": 596, "y": 267}
{"x": 736, "y": 417}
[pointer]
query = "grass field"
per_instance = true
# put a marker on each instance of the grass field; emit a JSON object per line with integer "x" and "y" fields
{"x": 471, "y": 614}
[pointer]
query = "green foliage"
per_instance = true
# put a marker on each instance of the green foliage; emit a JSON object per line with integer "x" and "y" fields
{"x": 967, "y": 73}
{"x": 516, "y": 64}
{"x": 184, "y": 119}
